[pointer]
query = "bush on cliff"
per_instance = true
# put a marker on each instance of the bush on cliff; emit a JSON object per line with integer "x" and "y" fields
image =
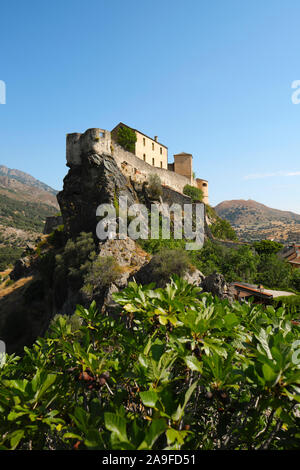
{"x": 103, "y": 271}
{"x": 196, "y": 194}
{"x": 126, "y": 138}
{"x": 154, "y": 188}
{"x": 163, "y": 265}
{"x": 72, "y": 264}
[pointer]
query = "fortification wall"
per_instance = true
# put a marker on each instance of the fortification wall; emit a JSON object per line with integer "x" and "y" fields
{"x": 93, "y": 140}
{"x": 139, "y": 170}
{"x": 170, "y": 196}
{"x": 99, "y": 141}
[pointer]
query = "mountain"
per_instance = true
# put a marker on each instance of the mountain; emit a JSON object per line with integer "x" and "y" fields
{"x": 254, "y": 221}
{"x": 25, "y": 203}
{"x": 26, "y": 179}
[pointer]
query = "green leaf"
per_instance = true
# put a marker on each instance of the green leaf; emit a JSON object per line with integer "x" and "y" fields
{"x": 149, "y": 398}
{"x": 15, "y": 438}
{"x": 231, "y": 320}
{"x": 180, "y": 410}
{"x": 263, "y": 339}
{"x": 48, "y": 381}
{"x": 174, "y": 435}
{"x": 193, "y": 363}
{"x": 71, "y": 435}
{"x": 117, "y": 425}
{"x": 158, "y": 426}
{"x": 269, "y": 374}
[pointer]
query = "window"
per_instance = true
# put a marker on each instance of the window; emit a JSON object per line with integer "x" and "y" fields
{"x": 144, "y": 157}
{"x": 204, "y": 184}
{"x": 161, "y": 164}
{"x": 153, "y": 161}
{"x": 160, "y": 150}
{"x": 101, "y": 134}
{"x": 144, "y": 141}
{"x": 152, "y": 146}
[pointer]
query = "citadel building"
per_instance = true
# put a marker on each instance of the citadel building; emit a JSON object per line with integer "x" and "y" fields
{"x": 150, "y": 156}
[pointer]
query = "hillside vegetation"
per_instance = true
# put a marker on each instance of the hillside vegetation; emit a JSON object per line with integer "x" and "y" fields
{"x": 254, "y": 221}
{"x": 24, "y": 205}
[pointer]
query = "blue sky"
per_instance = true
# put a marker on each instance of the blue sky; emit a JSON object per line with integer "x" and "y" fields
{"x": 212, "y": 78}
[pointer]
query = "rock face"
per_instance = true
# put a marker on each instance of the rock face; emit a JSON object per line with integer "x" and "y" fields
{"x": 130, "y": 258}
{"x": 125, "y": 252}
{"x": 147, "y": 274}
{"x": 195, "y": 277}
{"x": 97, "y": 180}
{"x": 52, "y": 223}
{"x": 216, "y": 284}
{"x": 22, "y": 268}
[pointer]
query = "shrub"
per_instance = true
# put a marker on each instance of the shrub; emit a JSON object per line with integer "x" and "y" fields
{"x": 194, "y": 193}
{"x": 291, "y": 303}
{"x": 222, "y": 230}
{"x": 126, "y": 138}
{"x": 72, "y": 265}
{"x": 167, "y": 262}
{"x": 57, "y": 238}
{"x": 184, "y": 371}
{"x": 154, "y": 187}
{"x": 295, "y": 279}
{"x": 8, "y": 256}
{"x": 103, "y": 271}
{"x": 273, "y": 272}
{"x": 267, "y": 247}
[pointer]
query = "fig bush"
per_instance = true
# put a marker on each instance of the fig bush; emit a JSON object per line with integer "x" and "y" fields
{"x": 175, "y": 369}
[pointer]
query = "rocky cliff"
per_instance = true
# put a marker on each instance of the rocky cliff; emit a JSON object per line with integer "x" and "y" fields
{"x": 72, "y": 266}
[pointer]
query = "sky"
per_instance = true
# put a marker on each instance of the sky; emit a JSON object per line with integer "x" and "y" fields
{"x": 208, "y": 77}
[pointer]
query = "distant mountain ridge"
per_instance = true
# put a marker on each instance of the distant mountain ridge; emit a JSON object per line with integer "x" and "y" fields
{"x": 25, "y": 202}
{"x": 25, "y": 178}
{"x": 253, "y": 220}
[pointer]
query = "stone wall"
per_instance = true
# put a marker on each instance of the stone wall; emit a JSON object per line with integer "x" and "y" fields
{"x": 93, "y": 140}
{"x": 139, "y": 170}
{"x": 98, "y": 141}
{"x": 170, "y": 196}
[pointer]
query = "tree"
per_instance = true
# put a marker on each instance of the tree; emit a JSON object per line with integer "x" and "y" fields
{"x": 126, "y": 138}
{"x": 222, "y": 229}
{"x": 274, "y": 272}
{"x": 295, "y": 279}
{"x": 267, "y": 247}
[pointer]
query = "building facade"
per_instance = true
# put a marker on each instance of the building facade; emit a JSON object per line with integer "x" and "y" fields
{"x": 147, "y": 149}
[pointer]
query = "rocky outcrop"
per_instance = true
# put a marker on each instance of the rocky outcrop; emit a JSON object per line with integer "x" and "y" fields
{"x": 130, "y": 257}
{"x": 97, "y": 180}
{"x": 194, "y": 276}
{"x": 52, "y": 223}
{"x": 22, "y": 268}
{"x": 216, "y": 284}
{"x": 125, "y": 252}
{"x": 148, "y": 274}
